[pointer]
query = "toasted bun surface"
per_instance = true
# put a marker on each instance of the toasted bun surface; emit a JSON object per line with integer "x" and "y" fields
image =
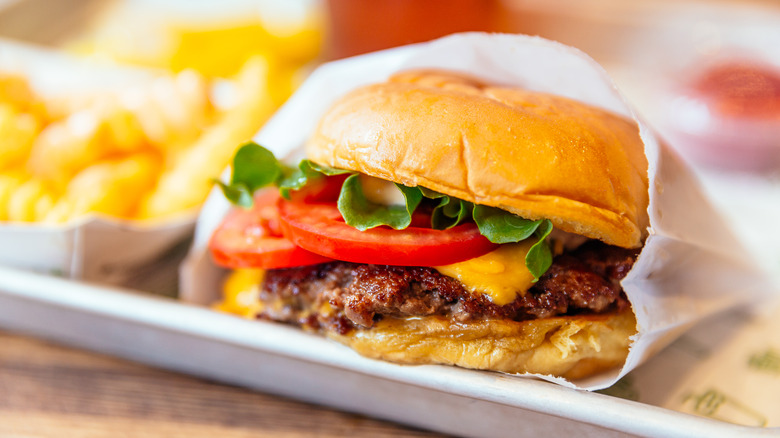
{"x": 535, "y": 155}
{"x": 569, "y": 346}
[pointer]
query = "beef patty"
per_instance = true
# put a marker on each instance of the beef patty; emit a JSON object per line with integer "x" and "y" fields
{"x": 343, "y": 296}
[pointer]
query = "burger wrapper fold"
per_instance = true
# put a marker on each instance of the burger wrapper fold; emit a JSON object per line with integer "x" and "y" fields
{"x": 691, "y": 265}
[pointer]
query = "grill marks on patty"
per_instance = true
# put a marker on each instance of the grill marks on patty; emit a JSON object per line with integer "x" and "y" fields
{"x": 342, "y": 296}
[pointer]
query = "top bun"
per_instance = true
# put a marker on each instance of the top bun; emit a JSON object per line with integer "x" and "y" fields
{"x": 533, "y": 154}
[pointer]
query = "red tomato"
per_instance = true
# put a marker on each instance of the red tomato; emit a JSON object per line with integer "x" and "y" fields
{"x": 320, "y": 228}
{"x": 252, "y": 239}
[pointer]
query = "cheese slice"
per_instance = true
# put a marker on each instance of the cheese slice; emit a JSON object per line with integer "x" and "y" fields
{"x": 500, "y": 274}
{"x": 241, "y": 292}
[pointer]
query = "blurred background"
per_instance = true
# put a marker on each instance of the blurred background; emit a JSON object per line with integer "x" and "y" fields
{"x": 704, "y": 73}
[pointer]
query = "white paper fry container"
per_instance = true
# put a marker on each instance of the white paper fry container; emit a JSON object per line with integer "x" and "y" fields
{"x": 94, "y": 248}
{"x": 691, "y": 265}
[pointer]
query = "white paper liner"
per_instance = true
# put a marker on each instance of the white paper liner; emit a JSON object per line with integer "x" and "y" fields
{"x": 691, "y": 265}
{"x": 95, "y": 248}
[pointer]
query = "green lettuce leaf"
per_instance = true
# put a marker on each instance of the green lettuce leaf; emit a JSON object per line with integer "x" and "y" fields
{"x": 449, "y": 212}
{"x": 254, "y": 167}
{"x": 501, "y": 226}
{"x": 539, "y": 257}
{"x": 363, "y": 214}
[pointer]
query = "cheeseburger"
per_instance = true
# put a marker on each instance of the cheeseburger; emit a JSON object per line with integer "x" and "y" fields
{"x": 438, "y": 218}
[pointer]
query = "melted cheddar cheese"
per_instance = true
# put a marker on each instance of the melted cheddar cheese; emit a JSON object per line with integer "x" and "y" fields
{"x": 241, "y": 292}
{"x": 500, "y": 274}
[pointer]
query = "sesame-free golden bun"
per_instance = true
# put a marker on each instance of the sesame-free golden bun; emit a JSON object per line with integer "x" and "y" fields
{"x": 572, "y": 347}
{"x": 536, "y": 155}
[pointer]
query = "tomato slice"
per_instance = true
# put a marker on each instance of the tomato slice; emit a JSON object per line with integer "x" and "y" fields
{"x": 252, "y": 239}
{"x": 319, "y": 228}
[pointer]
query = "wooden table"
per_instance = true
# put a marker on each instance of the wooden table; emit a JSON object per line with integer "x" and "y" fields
{"x": 48, "y": 390}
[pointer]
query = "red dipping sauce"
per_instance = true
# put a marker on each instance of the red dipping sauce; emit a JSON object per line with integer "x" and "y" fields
{"x": 741, "y": 91}
{"x": 729, "y": 116}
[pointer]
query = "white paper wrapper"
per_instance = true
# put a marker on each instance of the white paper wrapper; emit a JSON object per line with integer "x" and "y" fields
{"x": 100, "y": 249}
{"x": 691, "y": 265}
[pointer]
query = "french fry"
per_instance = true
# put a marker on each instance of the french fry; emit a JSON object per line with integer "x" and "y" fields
{"x": 119, "y": 132}
{"x": 148, "y": 151}
{"x": 112, "y": 187}
{"x": 171, "y": 111}
{"x": 15, "y": 91}
{"x": 9, "y": 182}
{"x": 64, "y": 148}
{"x": 137, "y": 102}
{"x": 168, "y": 114}
{"x": 30, "y": 201}
{"x": 186, "y": 184}
{"x": 184, "y": 103}
{"x": 17, "y": 133}
{"x": 57, "y": 108}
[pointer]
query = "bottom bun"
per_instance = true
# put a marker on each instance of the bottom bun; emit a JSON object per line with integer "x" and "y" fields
{"x": 570, "y": 346}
